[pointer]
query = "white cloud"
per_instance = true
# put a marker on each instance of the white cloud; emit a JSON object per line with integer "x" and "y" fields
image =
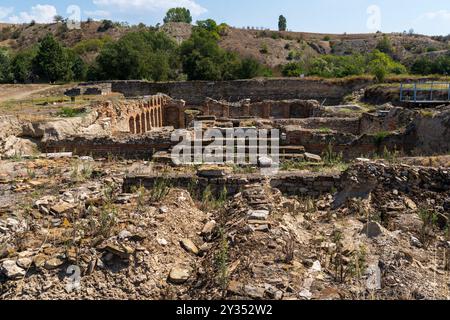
{"x": 150, "y": 5}
{"x": 97, "y": 14}
{"x": 442, "y": 15}
{"x": 41, "y": 13}
{"x": 4, "y": 12}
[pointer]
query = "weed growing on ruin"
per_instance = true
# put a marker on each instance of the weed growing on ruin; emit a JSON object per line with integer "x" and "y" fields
{"x": 347, "y": 266}
{"x": 288, "y": 250}
{"x": 337, "y": 258}
{"x": 325, "y": 130}
{"x": 358, "y": 263}
{"x": 54, "y": 172}
{"x": 31, "y": 173}
{"x": 244, "y": 169}
{"x": 429, "y": 220}
{"x": 108, "y": 193}
{"x": 140, "y": 200}
{"x": 210, "y": 201}
{"x": 307, "y": 204}
{"x": 331, "y": 158}
{"x": 17, "y": 157}
{"x": 427, "y": 113}
{"x": 192, "y": 188}
{"x": 107, "y": 219}
{"x": 390, "y": 156}
{"x": 221, "y": 262}
{"x": 379, "y": 137}
{"x": 160, "y": 189}
{"x": 80, "y": 171}
{"x": 108, "y": 212}
{"x": 68, "y": 112}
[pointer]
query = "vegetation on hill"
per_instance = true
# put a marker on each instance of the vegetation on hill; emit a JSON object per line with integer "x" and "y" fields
{"x": 139, "y": 55}
{"x": 282, "y": 23}
{"x": 208, "y": 51}
{"x": 178, "y": 15}
{"x": 203, "y": 59}
{"x": 440, "y": 65}
{"x": 376, "y": 63}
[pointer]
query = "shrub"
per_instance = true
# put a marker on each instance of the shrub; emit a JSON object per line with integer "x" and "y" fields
{"x": 264, "y": 49}
{"x": 91, "y": 45}
{"x": 160, "y": 189}
{"x": 105, "y": 26}
{"x": 293, "y": 69}
{"x": 380, "y": 136}
{"x": 385, "y": 45}
{"x": 67, "y": 112}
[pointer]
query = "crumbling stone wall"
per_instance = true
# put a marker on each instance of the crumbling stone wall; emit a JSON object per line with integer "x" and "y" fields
{"x": 290, "y": 183}
{"x": 344, "y": 125}
{"x": 194, "y": 92}
{"x": 126, "y": 146}
{"x": 283, "y": 109}
{"x": 388, "y": 120}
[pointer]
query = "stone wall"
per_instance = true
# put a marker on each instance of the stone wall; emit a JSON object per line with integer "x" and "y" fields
{"x": 290, "y": 183}
{"x": 344, "y": 125}
{"x": 266, "y": 109}
{"x": 195, "y": 92}
{"x": 128, "y": 146}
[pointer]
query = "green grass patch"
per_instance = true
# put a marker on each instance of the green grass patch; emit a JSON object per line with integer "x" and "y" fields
{"x": 68, "y": 112}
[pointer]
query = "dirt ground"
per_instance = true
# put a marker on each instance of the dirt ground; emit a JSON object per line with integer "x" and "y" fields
{"x": 167, "y": 243}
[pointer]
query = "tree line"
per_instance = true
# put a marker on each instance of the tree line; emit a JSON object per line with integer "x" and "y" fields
{"x": 152, "y": 55}
{"x": 145, "y": 54}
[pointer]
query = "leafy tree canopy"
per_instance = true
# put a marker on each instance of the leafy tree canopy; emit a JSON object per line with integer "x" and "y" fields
{"x": 282, "y": 23}
{"x": 178, "y": 15}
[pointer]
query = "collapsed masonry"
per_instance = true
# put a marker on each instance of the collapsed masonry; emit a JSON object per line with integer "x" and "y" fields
{"x": 140, "y": 128}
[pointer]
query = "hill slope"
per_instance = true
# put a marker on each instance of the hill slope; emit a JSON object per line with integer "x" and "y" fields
{"x": 272, "y": 48}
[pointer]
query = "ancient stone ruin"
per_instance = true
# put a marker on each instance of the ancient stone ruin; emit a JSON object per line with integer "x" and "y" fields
{"x": 358, "y": 207}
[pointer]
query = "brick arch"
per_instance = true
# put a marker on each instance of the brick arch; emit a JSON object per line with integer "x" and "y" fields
{"x": 138, "y": 124}
{"x": 160, "y": 120}
{"x": 152, "y": 123}
{"x": 147, "y": 120}
{"x": 153, "y": 118}
{"x": 132, "y": 127}
{"x": 143, "y": 126}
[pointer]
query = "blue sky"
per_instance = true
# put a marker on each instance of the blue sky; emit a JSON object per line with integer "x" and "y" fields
{"x": 329, "y": 16}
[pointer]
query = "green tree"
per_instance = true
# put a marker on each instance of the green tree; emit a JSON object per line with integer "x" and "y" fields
{"x": 51, "y": 62}
{"x": 178, "y": 15}
{"x": 5, "y": 67}
{"x": 58, "y": 18}
{"x": 212, "y": 27}
{"x": 251, "y": 68}
{"x": 138, "y": 55}
{"x": 22, "y": 65}
{"x": 378, "y": 65}
{"x": 77, "y": 66}
{"x": 203, "y": 59}
{"x": 282, "y": 23}
{"x": 105, "y": 26}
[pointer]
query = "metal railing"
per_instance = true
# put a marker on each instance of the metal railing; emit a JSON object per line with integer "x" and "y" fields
{"x": 425, "y": 92}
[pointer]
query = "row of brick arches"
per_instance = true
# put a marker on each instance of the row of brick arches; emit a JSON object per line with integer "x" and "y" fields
{"x": 149, "y": 116}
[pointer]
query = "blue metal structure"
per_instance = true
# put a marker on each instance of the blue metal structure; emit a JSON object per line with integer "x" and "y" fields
{"x": 425, "y": 92}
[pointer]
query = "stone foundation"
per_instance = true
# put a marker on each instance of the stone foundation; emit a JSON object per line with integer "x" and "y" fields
{"x": 290, "y": 183}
